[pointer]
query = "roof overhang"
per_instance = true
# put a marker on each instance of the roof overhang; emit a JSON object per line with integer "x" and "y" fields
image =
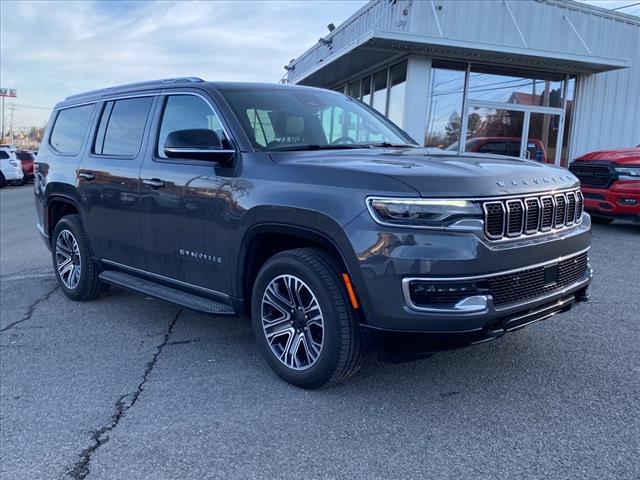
{"x": 378, "y": 46}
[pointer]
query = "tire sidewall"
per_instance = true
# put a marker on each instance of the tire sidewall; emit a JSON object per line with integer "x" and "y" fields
{"x": 329, "y": 356}
{"x": 73, "y": 225}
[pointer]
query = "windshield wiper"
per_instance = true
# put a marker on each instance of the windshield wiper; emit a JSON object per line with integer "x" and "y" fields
{"x": 390, "y": 145}
{"x": 292, "y": 148}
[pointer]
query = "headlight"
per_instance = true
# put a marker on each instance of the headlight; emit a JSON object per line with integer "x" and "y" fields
{"x": 419, "y": 212}
{"x": 628, "y": 173}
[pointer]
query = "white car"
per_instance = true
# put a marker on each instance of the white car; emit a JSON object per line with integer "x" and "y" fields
{"x": 10, "y": 167}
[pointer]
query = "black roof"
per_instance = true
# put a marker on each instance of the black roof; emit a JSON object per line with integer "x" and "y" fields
{"x": 94, "y": 95}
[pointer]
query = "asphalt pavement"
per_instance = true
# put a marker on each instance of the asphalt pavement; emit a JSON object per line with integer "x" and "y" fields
{"x": 128, "y": 387}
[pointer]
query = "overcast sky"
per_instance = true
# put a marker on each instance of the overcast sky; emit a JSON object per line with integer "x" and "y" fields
{"x": 49, "y": 50}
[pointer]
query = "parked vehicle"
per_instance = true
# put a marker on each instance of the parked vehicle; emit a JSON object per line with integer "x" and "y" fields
{"x": 10, "y": 167}
{"x": 309, "y": 212}
{"x": 27, "y": 158}
{"x": 610, "y": 183}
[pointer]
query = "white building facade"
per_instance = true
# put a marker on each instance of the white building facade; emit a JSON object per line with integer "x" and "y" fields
{"x": 543, "y": 79}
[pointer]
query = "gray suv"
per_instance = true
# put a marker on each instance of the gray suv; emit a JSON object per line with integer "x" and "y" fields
{"x": 309, "y": 212}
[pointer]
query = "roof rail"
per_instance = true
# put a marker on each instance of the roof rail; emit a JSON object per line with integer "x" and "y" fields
{"x": 130, "y": 86}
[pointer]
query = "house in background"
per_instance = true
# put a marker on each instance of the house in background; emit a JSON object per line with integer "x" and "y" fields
{"x": 553, "y": 72}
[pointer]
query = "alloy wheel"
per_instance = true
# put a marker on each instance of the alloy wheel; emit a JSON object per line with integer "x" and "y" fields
{"x": 292, "y": 322}
{"x": 68, "y": 259}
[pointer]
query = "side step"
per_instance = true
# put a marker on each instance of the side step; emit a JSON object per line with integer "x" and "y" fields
{"x": 168, "y": 294}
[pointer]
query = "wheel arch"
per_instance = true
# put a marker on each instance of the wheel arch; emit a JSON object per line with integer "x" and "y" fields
{"x": 56, "y": 207}
{"x": 264, "y": 240}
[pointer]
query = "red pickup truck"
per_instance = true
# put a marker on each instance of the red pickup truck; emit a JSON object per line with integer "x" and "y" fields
{"x": 610, "y": 183}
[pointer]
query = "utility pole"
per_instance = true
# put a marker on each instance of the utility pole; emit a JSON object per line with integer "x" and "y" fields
{"x": 12, "y": 108}
{"x": 6, "y": 92}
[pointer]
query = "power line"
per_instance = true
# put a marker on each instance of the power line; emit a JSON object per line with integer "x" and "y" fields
{"x": 626, "y": 6}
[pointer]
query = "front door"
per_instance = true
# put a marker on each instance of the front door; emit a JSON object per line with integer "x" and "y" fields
{"x": 185, "y": 203}
{"x": 108, "y": 180}
{"x": 523, "y": 131}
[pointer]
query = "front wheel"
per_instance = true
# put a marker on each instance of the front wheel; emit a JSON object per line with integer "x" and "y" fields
{"x": 303, "y": 321}
{"x": 73, "y": 263}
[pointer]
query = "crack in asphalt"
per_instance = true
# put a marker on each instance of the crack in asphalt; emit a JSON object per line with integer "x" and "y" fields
{"x": 80, "y": 470}
{"x": 31, "y": 309}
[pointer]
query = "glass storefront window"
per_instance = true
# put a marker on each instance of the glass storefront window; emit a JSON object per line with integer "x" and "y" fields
{"x": 354, "y": 89}
{"x": 397, "y": 83}
{"x": 490, "y": 83}
{"x": 445, "y": 113}
{"x": 366, "y": 90}
{"x": 493, "y": 130}
{"x": 380, "y": 91}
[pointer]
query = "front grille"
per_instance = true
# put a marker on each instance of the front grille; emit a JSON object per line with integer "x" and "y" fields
{"x": 506, "y": 289}
{"x": 532, "y": 209}
{"x": 511, "y": 218}
{"x": 593, "y": 175}
{"x": 515, "y": 218}
{"x": 494, "y": 213}
{"x": 527, "y": 284}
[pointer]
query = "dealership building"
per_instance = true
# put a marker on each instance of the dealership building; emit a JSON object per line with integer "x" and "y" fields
{"x": 543, "y": 79}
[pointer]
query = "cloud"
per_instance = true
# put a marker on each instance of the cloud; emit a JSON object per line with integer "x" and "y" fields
{"x": 50, "y": 50}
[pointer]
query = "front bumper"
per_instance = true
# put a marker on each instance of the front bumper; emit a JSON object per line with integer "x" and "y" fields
{"x": 388, "y": 257}
{"x": 15, "y": 173}
{"x": 621, "y": 200}
{"x": 401, "y": 345}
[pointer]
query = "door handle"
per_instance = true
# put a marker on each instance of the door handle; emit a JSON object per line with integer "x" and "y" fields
{"x": 153, "y": 182}
{"x": 88, "y": 176}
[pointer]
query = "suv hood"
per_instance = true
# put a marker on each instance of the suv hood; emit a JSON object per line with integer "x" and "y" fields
{"x": 438, "y": 173}
{"x": 622, "y": 156}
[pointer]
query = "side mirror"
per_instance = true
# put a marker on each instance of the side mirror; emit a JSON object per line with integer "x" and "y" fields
{"x": 198, "y": 144}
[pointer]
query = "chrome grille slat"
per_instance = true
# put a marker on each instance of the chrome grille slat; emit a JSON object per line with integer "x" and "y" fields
{"x": 561, "y": 210}
{"x": 515, "y": 218}
{"x": 571, "y": 208}
{"x": 531, "y": 215}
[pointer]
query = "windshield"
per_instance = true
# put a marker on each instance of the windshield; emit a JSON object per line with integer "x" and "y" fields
{"x": 290, "y": 119}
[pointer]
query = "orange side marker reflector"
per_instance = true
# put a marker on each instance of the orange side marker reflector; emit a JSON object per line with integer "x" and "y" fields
{"x": 350, "y": 291}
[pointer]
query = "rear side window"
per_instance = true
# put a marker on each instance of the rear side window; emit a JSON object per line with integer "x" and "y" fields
{"x": 122, "y": 126}
{"x": 69, "y": 129}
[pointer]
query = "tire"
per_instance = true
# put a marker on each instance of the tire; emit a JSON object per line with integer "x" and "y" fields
{"x": 329, "y": 323}
{"x": 18, "y": 183}
{"x": 3, "y": 182}
{"x": 601, "y": 220}
{"x": 70, "y": 249}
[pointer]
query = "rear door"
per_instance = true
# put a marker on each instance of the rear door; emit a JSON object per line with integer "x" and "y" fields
{"x": 108, "y": 180}
{"x": 186, "y": 204}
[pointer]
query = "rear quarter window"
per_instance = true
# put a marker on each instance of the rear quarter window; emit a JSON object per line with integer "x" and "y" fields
{"x": 69, "y": 129}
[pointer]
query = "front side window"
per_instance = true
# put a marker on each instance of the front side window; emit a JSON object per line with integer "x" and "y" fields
{"x": 290, "y": 119}
{"x": 69, "y": 129}
{"x": 186, "y": 112}
{"x": 122, "y": 127}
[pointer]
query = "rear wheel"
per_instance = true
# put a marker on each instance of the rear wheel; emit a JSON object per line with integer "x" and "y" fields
{"x": 3, "y": 182}
{"x": 73, "y": 263}
{"x": 303, "y": 321}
